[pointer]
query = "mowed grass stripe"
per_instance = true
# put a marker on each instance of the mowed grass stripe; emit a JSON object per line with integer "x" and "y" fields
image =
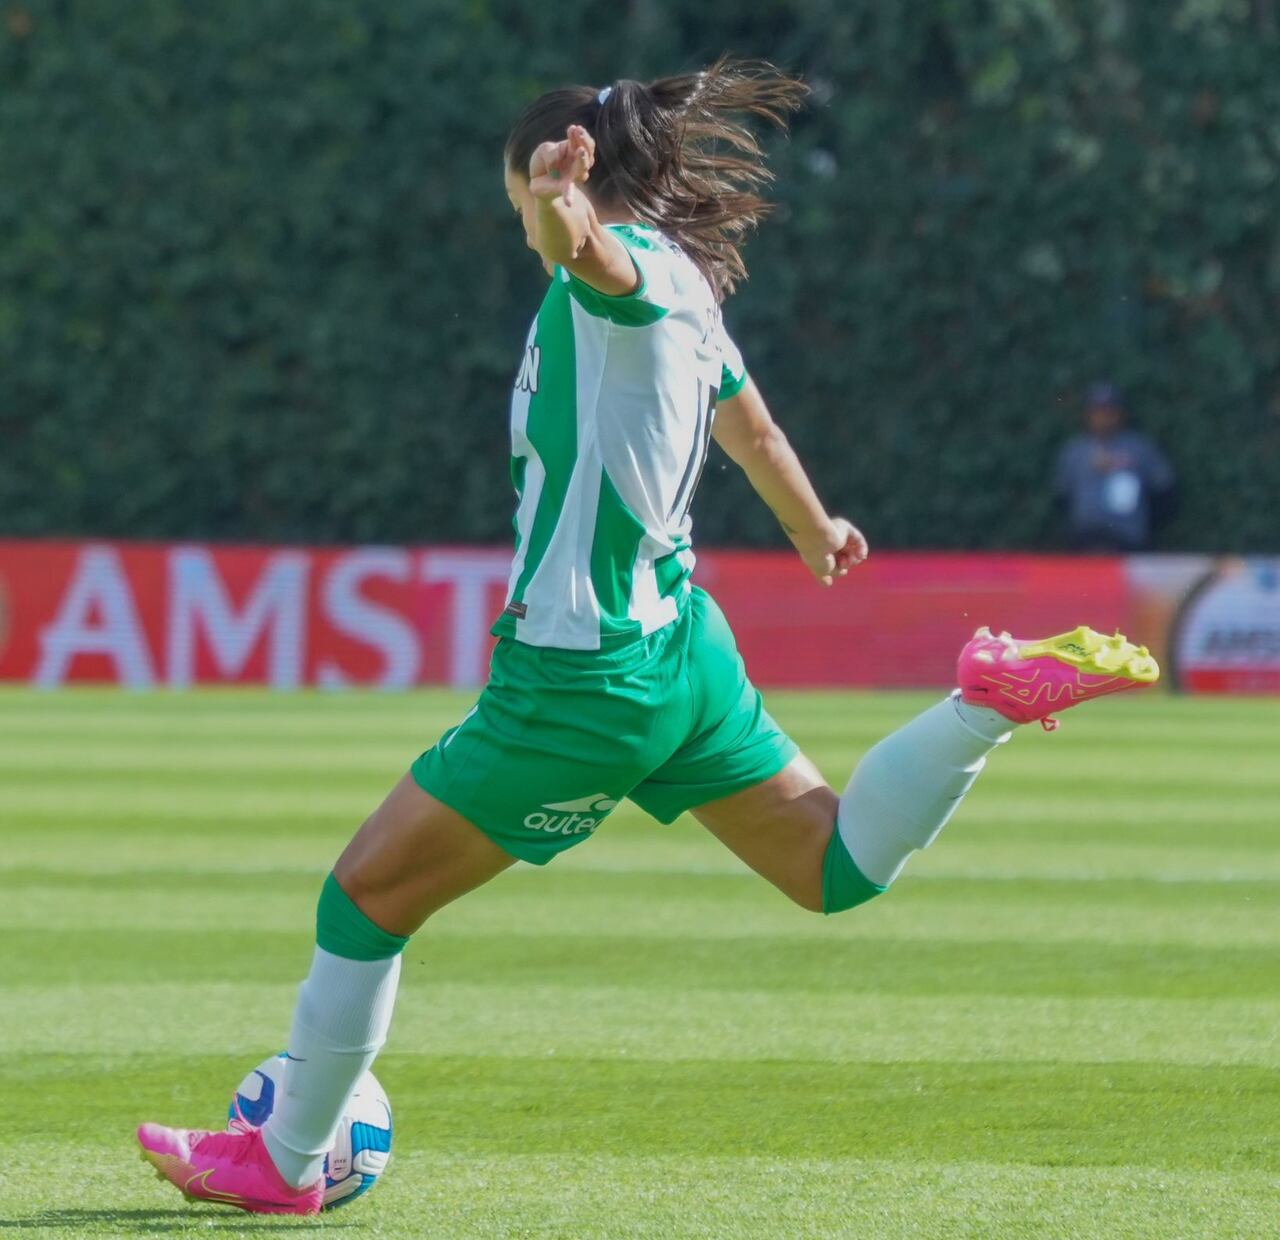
{"x": 684, "y": 906}
{"x": 738, "y": 886}
{"x": 1235, "y": 820}
{"x": 992, "y": 833}
{"x": 123, "y": 844}
{"x": 170, "y": 764}
{"x": 822, "y": 1197}
{"x": 58, "y": 957}
{"x": 1017, "y": 1112}
{"x": 1178, "y": 798}
{"x": 181, "y": 822}
{"x": 839, "y": 1025}
{"x": 1086, "y": 749}
{"x": 1139, "y": 719}
{"x": 201, "y": 799}
{"x": 1107, "y": 1110}
{"x": 1155, "y": 725}
{"x": 1084, "y": 862}
{"x": 588, "y": 1196}
{"x": 1055, "y": 760}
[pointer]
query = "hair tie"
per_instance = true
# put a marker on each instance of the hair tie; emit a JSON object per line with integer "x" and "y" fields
{"x": 604, "y": 95}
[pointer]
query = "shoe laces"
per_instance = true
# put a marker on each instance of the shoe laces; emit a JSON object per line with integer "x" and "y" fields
{"x": 233, "y": 1147}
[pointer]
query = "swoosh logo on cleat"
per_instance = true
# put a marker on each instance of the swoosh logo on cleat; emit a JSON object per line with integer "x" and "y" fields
{"x": 198, "y": 1186}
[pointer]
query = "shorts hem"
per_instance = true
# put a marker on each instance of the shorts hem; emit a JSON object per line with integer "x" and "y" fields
{"x": 420, "y": 778}
{"x": 782, "y": 759}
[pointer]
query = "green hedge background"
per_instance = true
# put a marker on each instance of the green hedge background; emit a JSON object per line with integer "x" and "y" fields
{"x": 258, "y": 277}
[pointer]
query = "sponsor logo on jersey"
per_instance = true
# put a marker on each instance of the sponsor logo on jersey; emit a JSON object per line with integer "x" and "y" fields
{"x": 527, "y": 379}
{"x": 577, "y": 817}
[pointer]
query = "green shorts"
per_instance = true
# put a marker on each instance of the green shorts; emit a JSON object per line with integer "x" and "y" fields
{"x": 559, "y": 737}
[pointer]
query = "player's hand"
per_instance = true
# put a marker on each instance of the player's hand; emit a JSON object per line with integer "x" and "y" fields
{"x": 839, "y": 548}
{"x": 556, "y": 167}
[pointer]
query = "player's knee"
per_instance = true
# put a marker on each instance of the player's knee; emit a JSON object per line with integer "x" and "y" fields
{"x": 358, "y": 881}
{"x": 809, "y": 897}
{"x": 344, "y": 929}
{"x": 834, "y": 884}
{"x": 802, "y": 878}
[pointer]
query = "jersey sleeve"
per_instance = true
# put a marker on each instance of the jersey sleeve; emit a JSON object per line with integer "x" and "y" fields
{"x": 733, "y": 371}
{"x": 648, "y": 302}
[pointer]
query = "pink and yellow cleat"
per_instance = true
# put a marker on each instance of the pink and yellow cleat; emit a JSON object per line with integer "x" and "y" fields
{"x": 1026, "y": 681}
{"x": 230, "y": 1168}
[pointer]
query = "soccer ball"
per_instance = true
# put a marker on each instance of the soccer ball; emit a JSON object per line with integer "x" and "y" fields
{"x": 361, "y": 1147}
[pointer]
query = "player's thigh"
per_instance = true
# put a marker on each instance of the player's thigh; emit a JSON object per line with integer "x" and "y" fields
{"x": 412, "y": 857}
{"x": 780, "y": 827}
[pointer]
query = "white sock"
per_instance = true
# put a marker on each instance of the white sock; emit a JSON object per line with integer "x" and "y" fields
{"x": 907, "y": 786}
{"x": 340, "y": 1023}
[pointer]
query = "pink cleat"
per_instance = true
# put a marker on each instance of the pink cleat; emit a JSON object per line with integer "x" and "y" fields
{"x": 230, "y": 1168}
{"x": 1026, "y": 681}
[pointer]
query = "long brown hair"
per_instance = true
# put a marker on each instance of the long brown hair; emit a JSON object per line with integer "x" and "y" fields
{"x": 676, "y": 152}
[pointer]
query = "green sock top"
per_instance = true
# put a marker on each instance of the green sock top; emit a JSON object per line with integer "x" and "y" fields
{"x": 343, "y": 930}
{"x": 844, "y": 886}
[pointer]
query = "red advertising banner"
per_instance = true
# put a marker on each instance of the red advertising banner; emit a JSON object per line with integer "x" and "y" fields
{"x": 180, "y": 614}
{"x": 173, "y": 615}
{"x": 900, "y": 619}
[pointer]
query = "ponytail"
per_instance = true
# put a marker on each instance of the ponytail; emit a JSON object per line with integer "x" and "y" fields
{"x": 677, "y": 153}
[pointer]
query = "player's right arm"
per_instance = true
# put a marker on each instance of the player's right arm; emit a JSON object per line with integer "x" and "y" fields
{"x": 567, "y": 232}
{"x": 745, "y": 429}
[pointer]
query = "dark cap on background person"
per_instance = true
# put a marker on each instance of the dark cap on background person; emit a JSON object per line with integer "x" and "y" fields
{"x": 1103, "y": 395}
{"x": 1103, "y": 409}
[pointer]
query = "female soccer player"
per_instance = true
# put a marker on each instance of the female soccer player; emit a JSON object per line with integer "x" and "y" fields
{"x": 613, "y": 676}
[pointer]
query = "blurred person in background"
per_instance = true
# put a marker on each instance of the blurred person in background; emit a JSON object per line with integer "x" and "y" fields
{"x": 1115, "y": 482}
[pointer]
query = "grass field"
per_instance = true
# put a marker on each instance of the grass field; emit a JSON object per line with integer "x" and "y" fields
{"x": 1061, "y": 1023}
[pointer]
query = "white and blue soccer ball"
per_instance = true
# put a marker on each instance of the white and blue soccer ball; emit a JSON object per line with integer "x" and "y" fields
{"x": 362, "y": 1146}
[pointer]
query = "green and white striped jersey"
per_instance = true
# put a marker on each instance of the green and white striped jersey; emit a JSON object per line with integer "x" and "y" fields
{"x": 610, "y": 426}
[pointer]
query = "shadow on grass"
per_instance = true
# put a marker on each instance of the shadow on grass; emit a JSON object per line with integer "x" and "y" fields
{"x": 159, "y": 1222}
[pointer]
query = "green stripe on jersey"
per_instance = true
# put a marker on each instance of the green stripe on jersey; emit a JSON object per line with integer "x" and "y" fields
{"x": 633, "y": 309}
{"x": 627, "y": 310}
{"x": 519, "y": 466}
{"x": 613, "y": 561}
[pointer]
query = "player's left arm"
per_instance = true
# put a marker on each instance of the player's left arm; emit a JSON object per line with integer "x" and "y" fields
{"x": 567, "y": 232}
{"x": 744, "y": 428}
